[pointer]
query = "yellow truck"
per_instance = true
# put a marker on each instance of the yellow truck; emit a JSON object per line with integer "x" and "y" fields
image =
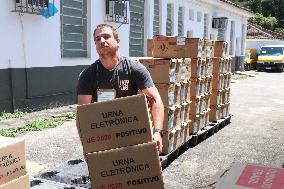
{"x": 271, "y": 57}
{"x": 250, "y": 59}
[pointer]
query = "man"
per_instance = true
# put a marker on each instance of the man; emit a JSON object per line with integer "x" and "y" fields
{"x": 114, "y": 76}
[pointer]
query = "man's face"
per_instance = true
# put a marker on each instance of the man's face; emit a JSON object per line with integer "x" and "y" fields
{"x": 106, "y": 44}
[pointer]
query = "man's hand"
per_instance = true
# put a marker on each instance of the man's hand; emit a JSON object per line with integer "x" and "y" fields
{"x": 158, "y": 139}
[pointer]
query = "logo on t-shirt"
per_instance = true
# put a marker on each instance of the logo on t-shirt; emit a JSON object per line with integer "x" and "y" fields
{"x": 123, "y": 85}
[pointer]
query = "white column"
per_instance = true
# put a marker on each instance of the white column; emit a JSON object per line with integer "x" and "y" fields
{"x": 148, "y": 22}
{"x": 163, "y": 16}
{"x": 175, "y": 18}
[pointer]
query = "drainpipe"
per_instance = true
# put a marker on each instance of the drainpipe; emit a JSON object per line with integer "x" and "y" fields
{"x": 11, "y": 86}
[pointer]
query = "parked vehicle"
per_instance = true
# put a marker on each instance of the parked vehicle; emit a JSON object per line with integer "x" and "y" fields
{"x": 271, "y": 57}
{"x": 250, "y": 59}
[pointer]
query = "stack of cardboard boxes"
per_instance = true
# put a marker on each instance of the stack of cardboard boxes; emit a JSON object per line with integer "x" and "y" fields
{"x": 220, "y": 98}
{"x": 171, "y": 72}
{"x": 13, "y": 172}
{"x": 200, "y": 51}
{"x": 117, "y": 139}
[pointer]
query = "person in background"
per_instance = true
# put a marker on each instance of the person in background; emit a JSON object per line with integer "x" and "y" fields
{"x": 114, "y": 76}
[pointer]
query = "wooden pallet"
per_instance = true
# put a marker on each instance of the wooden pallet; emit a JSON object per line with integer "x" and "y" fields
{"x": 201, "y": 135}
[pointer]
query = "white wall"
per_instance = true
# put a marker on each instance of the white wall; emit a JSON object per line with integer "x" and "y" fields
{"x": 33, "y": 41}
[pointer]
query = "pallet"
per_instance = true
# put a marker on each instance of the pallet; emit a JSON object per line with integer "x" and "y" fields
{"x": 201, "y": 135}
{"x": 74, "y": 173}
{"x": 170, "y": 157}
{"x": 38, "y": 183}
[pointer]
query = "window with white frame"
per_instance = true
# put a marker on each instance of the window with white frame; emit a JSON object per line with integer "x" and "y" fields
{"x": 169, "y": 25}
{"x": 191, "y": 14}
{"x": 199, "y": 16}
{"x": 180, "y": 21}
{"x": 206, "y": 25}
{"x": 232, "y": 37}
{"x": 73, "y": 28}
{"x": 156, "y": 19}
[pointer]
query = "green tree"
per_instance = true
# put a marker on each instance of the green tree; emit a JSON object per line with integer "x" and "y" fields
{"x": 265, "y": 22}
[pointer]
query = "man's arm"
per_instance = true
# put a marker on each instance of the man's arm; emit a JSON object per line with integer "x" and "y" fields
{"x": 157, "y": 113}
{"x": 82, "y": 99}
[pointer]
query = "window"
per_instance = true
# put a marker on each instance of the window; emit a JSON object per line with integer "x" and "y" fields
{"x": 199, "y": 16}
{"x": 206, "y": 23}
{"x": 180, "y": 21}
{"x": 32, "y": 6}
{"x": 156, "y": 22}
{"x": 191, "y": 14}
{"x": 232, "y": 36}
{"x": 169, "y": 19}
{"x": 74, "y": 28}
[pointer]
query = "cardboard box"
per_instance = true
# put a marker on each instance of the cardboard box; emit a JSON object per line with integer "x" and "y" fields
{"x": 195, "y": 84}
{"x": 215, "y": 113}
{"x": 22, "y": 182}
{"x": 184, "y": 91}
{"x": 179, "y": 63}
{"x": 177, "y": 139}
{"x": 193, "y": 47}
{"x": 251, "y": 176}
{"x": 12, "y": 159}
{"x": 196, "y": 64}
{"x": 216, "y": 97}
{"x": 229, "y": 67}
{"x": 217, "y": 82}
{"x": 161, "y": 70}
{"x": 177, "y": 93}
{"x": 217, "y": 66}
{"x": 210, "y": 66}
{"x": 168, "y": 46}
{"x": 186, "y": 133}
{"x": 221, "y": 49}
{"x": 208, "y": 51}
{"x": 194, "y": 124}
{"x": 184, "y": 111}
{"x": 194, "y": 107}
{"x": 114, "y": 123}
{"x": 167, "y": 93}
{"x": 177, "y": 116}
{"x": 186, "y": 69}
{"x": 169, "y": 118}
{"x": 127, "y": 167}
{"x": 168, "y": 141}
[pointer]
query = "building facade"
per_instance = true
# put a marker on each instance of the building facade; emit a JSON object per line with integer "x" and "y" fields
{"x": 46, "y": 44}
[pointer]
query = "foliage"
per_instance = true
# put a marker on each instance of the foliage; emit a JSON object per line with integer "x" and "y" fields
{"x": 38, "y": 125}
{"x": 17, "y": 114}
{"x": 270, "y": 13}
{"x": 266, "y": 22}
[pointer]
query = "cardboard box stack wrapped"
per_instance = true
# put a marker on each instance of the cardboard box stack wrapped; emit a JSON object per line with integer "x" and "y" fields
{"x": 220, "y": 98}
{"x": 117, "y": 139}
{"x": 171, "y": 71}
{"x": 200, "y": 51}
{"x": 13, "y": 172}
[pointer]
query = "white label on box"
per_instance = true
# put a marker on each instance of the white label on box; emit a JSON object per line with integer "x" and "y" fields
{"x": 180, "y": 41}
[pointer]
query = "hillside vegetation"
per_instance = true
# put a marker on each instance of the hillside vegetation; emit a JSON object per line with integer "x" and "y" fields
{"x": 269, "y": 13}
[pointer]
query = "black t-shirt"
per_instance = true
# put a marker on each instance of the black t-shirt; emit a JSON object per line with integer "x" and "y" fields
{"x": 126, "y": 78}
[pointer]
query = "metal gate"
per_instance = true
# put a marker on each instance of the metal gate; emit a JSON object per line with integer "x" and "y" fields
{"x": 136, "y": 41}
